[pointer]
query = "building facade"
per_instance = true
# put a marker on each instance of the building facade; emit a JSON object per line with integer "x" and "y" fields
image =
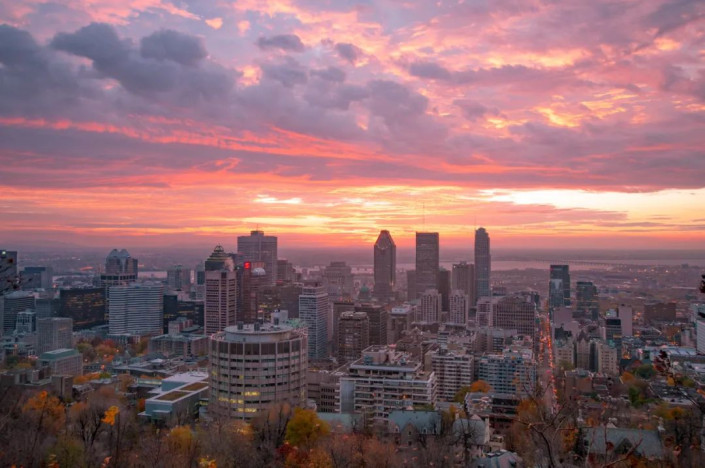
{"x": 463, "y": 278}
{"x": 313, "y": 311}
{"x": 54, "y": 333}
{"x": 385, "y": 267}
{"x": 220, "y": 305}
{"x": 255, "y": 366}
{"x": 483, "y": 263}
{"x": 430, "y": 306}
{"x": 458, "y": 307}
{"x": 353, "y": 335}
{"x": 260, "y": 248}
{"x": 427, "y": 261}
{"x": 136, "y": 309}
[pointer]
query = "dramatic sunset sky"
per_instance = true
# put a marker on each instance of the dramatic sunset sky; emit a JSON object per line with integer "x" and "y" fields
{"x": 552, "y": 123}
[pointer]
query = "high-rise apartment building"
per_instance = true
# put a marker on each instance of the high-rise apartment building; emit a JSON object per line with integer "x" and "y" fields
{"x": 559, "y": 286}
{"x": 384, "y": 380}
{"x": 260, "y": 248}
{"x": 255, "y": 366}
{"x": 353, "y": 335}
{"x": 459, "y": 304}
{"x": 220, "y": 308}
{"x": 378, "y": 322}
{"x": 385, "y": 267}
{"x": 430, "y": 306}
{"x": 136, "y": 309}
{"x": 313, "y": 311}
{"x": 453, "y": 371}
{"x": 463, "y": 278}
{"x": 427, "y": 261}
{"x": 54, "y": 333}
{"x": 512, "y": 372}
{"x": 483, "y": 263}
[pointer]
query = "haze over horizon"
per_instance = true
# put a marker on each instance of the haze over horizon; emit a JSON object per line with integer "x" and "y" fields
{"x": 153, "y": 123}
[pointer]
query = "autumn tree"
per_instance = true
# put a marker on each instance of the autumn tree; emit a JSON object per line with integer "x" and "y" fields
{"x": 305, "y": 428}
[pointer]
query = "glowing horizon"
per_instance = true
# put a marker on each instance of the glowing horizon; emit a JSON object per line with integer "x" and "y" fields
{"x": 150, "y": 122}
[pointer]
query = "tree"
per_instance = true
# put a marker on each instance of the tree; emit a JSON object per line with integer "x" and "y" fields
{"x": 480, "y": 386}
{"x": 305, "y": 428}
{"x": 46, "y": 416}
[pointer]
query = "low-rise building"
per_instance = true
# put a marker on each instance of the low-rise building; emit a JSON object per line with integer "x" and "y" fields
{"x": 63, "y": 361}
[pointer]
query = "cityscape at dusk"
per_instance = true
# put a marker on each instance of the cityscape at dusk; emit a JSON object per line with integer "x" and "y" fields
{"x": 153, "y": 123}
{"x": 352, "y": 234}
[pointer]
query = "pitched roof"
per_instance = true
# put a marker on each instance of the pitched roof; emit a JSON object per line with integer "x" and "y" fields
{"x": 647, "y": 443}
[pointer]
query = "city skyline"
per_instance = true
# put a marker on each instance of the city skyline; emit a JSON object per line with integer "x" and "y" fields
{"x": 158, "y": 123}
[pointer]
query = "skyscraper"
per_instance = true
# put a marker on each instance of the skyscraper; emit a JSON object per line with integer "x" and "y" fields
{"x": 54, "y": 333}
{"x": 586, "y": 298}
{"x": 463, "y": 278}
{"x": 313, "y": 311}
{"x": 385, "y": 266}
{"x": 260, "y": 248}
{"x": 483, "y": 263}
{"x": 120, "y": 269}
{"x": 221, "y": 292}
{"x": 178, "y": 278}
{"x": 353, "y": 335}
{"x": 136, "y": 309}
{"x": 562, "y": 273}
{"x": 427, "y": 261}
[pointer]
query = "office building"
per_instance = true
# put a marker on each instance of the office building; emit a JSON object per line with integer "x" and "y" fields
{"x": 12, "y": 304}
{"x": 26, "y": 322}
{"x": 378, "y": 316}
{"x": 626, "y": 315}
{"x": 85, "y": 306}
{"x": 338, "y": 308}
{"x": 260, "y": 248}
{"x": 463, "y": 278}
{"x": 430, "y": 306}
{"x": 427, "y": 261}
{"x": 515, "y": 313}
{"x": 199, "y": 290}
{"x": 220, "y": 305}
{"x": 10, "y": 271}
{"x": 338, "y": 278}
{"x": 63, "y": 362}
{"x": 54, "y": 333}
{"x": 353, "y": 336}
{"x": 178, "y": 278}
{"x": 120, "y": 269}
{"x": 559, "y": 286}
{"x": 453, "y": 370}
{"x": 385, "y": 267}
{"x": 313, "y": 311}
{"x": 285, "y": 271}
{"x": 384, "y": 380}
{"x": 37, "y": 277}
{"x": 444, "y": 288}
{"x": 459, "y": 305}
{"x": 483, "y": 263}
{"x": 136, "y": 309}
{"x": 255, "y": 366}
{"x": 611, "y": 329}
{"x": 250, "y": 280}
{"x": 586, "y": 299}
{"x": 411, "y": 285}
{"x": 512, "y": 372}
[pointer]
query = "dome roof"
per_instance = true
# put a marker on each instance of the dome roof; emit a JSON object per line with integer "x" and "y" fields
{"x": 259, "y": 271}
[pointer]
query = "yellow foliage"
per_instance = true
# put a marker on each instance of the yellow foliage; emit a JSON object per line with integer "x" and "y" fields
{"x": 180, "y": 438}
{"x": 480, "y": 386}
{"x": 305, "y": 428}
{"x": 110, "y": 415}
{"x": 205, "y": 462}
{"x": 670, "y": 381}
{"x": 627, "y": 377}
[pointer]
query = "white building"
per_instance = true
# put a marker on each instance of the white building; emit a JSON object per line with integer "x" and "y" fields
{"x": 136, "y": 309}
{"x": 453, "y": 371}
{"x": 384, "y": 380}
{"x": 430, "y": 306}
{"x": 512, "y": 372}
{"x": 458, "y": 305}
{"x": 607, "y": 358}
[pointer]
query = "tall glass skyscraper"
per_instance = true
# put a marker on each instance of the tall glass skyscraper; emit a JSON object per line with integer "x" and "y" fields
{"x": 560, "y": 284}
{"x": 427, "y": 261}
{"x": 385, "y": 259}
{"x": 483, "y": 261}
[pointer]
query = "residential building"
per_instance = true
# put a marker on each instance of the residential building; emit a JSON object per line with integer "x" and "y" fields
{"x": 459, "y": 304}
{"x": 512, "y": 372}
{"x": 430, "y": 306}
{"x": 384, "y": 380}
{"x": 254, "y": 366}
{"x": 353, "y": 335}
{"x": 453, "y": 370}
{"x": 607, "y": 358}
{"x": 378, "y": 316}
{"x": 400, "y": 320}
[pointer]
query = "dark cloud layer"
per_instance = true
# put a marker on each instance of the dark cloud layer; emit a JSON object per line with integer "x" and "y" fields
{"x": 285, "y": 42}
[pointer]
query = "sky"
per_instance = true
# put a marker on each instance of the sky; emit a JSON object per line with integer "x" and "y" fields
{"x": 155, "y": 123}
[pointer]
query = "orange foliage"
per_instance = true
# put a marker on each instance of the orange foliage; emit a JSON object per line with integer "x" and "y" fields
{"x": 110, "y": 415}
